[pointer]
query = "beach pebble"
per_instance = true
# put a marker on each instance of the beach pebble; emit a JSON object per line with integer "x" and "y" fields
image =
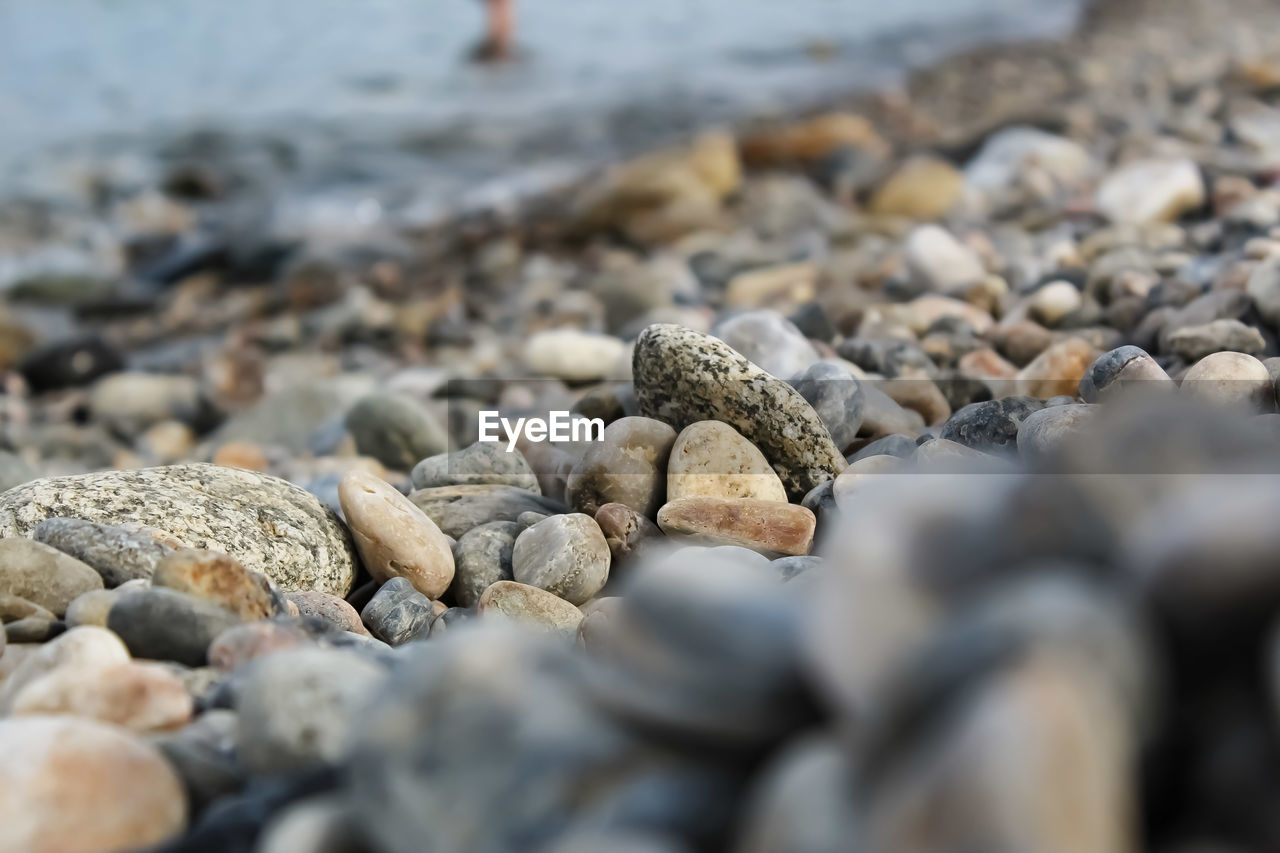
{"x": 298, "y": 709}
{"x": 991, "y": 427}
{"x": 768, "y": 340}
{"x": 239, "y": 644}
{"x": 1264, "y": 289}
{"x": 92, "y": 607}
{"x": 566, "y": 555}
{"x": 711, "y": 459}
{"x": 922, "y": 188}
{"x": 683, "y": 376}
{"x": 80, "y": 647}
{"x": 163, "y": 624}
{"x": 395, "y": 538}
{"x": 772, "y": 528}
{"x": 457, "y": 509}
{"x": 14, "y": 607}
{"x": 1009, "y": 154}
{"x": 483, "y": 557}
{"x": 1193, "y": 343}
{"x": 483, "y": 463}
{"x": 836, "y": 395}
{"x": 940, "y": 262}
{"x": 395, "y": 430}
{"x": 862, "y": 472}
{"x": 627, "y": 532}
{"x": 398, "y": 613}
{"x": 1149, "y": 191}
{"x": 121, "y": 795}
{"x": 1127, "y": 367}
{"x": 130, "y": 402}
{"x": 44, "y": 575}
{"x": 1230, "y": 378}
{"x": 330, "y": 609}
{"x": 1056, "y": 371}
{"x": 530, "y": 606}
{"x": 268, "y": 524}
{"x": 118, "y": 553}
{"x": 1043, "y": 432}
{"x": 573, "y": 355}
{"x": 141, "y": 697}
{"x": 1053, "y": 302}
{"x": 219, "y": 579}
{"x": 628, "y": 467}
{"x": 33, "y": 630}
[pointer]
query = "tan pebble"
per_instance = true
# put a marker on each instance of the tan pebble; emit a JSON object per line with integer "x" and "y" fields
{"x": 712, "y": 459}
{"x": 141, "y": 697}
{"x": 241, "y": 454}
{"x": 394, "y": 537}
{"x": 1230, "y": 378}
{"x": 216, "y": 577}
{"x": 769, "y": 527}
{"x": 529, "y": 605}
{"x": 86, "y": 645}
{"x": 330, "y": 609}
{"x": 1057, "y": 370}
{"x": 922, "y": 188}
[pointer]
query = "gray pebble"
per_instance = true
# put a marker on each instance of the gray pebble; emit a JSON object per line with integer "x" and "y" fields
{"x": 566, "y": 555}
{"x": 483, "y": 463}
{"x": 395, "y": 430}
{"x": 482, "y": 557}
{"x": 116, "y": 552}
{"x": 398, "y": 613}
{"x": 162, "y": 624}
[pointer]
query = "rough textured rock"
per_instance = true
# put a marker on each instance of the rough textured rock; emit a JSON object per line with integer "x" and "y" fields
{"x": 162, "y": 624}
{"x": 457, "y": 509}
{"x": 565, "y": 554}
{"x": 482, "y": 557}
{"x": 991, "y": 427}
{"x": 268, "y": 524}
{"x": 44, "y": 575}
{"x": 395, "y": 538}
{"x": 628, "y": 467}
{"x": 79, "y": 786}
{"x": 483, "y": 463}
{"x": 217, "y": 578}
{"x": 683, "y": 376}
{"x": 530, "y": 606}
{"x": 711, "y": 459}
{"x": 118, "y": 553}
{"x": 772, "y": 528}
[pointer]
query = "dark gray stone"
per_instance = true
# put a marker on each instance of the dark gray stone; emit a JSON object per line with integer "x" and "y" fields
{"x": 482, "y": 557}
{"x": 116, "y": 552}
{"x": 398, "y": 613}
{"x": 162, "y": 624}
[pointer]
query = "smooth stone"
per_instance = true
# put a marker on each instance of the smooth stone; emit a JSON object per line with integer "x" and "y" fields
{"x": 772, "y": 528}
{"x": 395, "y": 538}
{"x": 457, "y": 509}
{"x": 240, "y": 644}
{"x": 627, "y": 532}
{"x": 861, "y": 473}
{"x": 991, "y": 427}
{"x": 140, "y": 697}
{"x": 1056, "y": 371}
{"x": 770, "y": 341}
{"x": 628, "y": 467}
{"x": 940, "y": 262}
{"x": 1043, "y": 432}
{"x": 530, "y": 606}
{"x": 483, "y": 557}
{"x": 85, "y": 646}
{"x": 798, "y": 801}
{"x": 566, "y": 555}
{"x": 398, "y": 613}
{"x": 92, "y": 607}
{"x": 219, "y": 579}
{"x": 882, "y": 416}
{"x": 70, "y": 364}
{"x": 1193, "y": 343}
{"x": 483, "y": 463}
{"x": 683, "y": 376}
{"x": 573, "y": 355}
{"x": 1008, "y": 155}
{"x": 33, "y": 630}
{"x": 70, "y": 785}
{"x": 298, "y": 709}
{"x": 1050, "y": 304}
{"x": 1230, "y": 378}
{"x": 163, "y": 624}
{"x": 118, "y": 553}
{"x": 1126, "y": 368}
{"x": 130, "y": 402}
{"x": 919, "y": 395}
{"x": 836, "y": 395}
{"x": 270, "y": 525}
{"x": 44, "y": 575}
{"x": 319, "y": 824}
{"x": 1150, "y": 191}
{"x": 395, "y": 430}
{"x": 15, "y": 607}
{"x": 712, "y": 459}
{"x": 330, "y": 609}
{"x": 922, "y": 188}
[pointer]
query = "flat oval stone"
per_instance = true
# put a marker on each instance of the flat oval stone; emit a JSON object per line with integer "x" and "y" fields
{"x": 163, "y": 624}
{"x": 330, "y": 609}
{"x": 91, "y": 608}
{"x": 482, "y": 557}
{"x": 483, "y": 463}
{"x": 565, "y": 554}
{"x": 116, "y": 552}
{"x": 395, "y": 430}
{"x": 141, "y": 697}
{"x": 529, "y": 605}
{"x": 772, "y": 528}
{"x": 217, "y": 578}
{"x": 44, "y": 575}
{"x": 628, "y": 466}
{"x": 398, "y": 613}
{"x": 268, "y": 524}
{"x": 457, "y": 509}
{"x": 683, "y": 376}
{"x": 79, "y": 786}
{"x": 395, "y": 538}
{"x": 573, "y": 355}
{"x": 712, "y": 459}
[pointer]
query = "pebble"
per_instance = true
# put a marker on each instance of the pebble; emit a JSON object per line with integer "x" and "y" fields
{"x": 73, "y": 363}
{"x": 773, "y": 528}
{"x": 1054, "y": 302}
{"x": 862, "y": 472}
{"x": 1264, "y": 289}
{"x": 531, "y": 606}
{"x": 1127, "y": 367}
{"x": 940, "y": 262}
{"x": 130, "y": 402}
{"x": 627, "y": 532}
{"x": 398, "y": 613}
{"x": 457, "y": 509}
{"x": 14, "y": 607}
{"x": 711, "y": 459}
{"x": 330, "y": 609}
{"x": 1149, "y": 191}
{"x": 566, "y": 555}
{"x": 1231, "y": 378}
{"x": 837, "y": 396}
{"x": 219, "y": 579}
{"x": 395, "y": 538}
{"x": 483, "y": 557}
{"x": 1056, "y": 371}
{"x": 43, "y": 575}
{"x": 573, "y": 355}
{"x": 164, "y": 624}
{"x": 92, "y": 607}
{"x": 117, "y": 553}
{"x": 239, "y": 644}
{"x": 922, "y": 188}
{"x": 298, "y": 709}
{"x": 78, "y": 647}
{"x": 1008, "y": 155}
{"x": 78, "y": 786}
{"x": 1043, "y": 432}
{"x": 140, "y": 697}
{"x": 991, "y": 427}
{"x": 628, "y": 467}
{"x": 33, "y": 630}
{"x": 770, "y": 341}
{"x": 483, "y": 463}
{"x": 395, "y": 430}
{"x": 683, "y": 376}
{"x": 268, "y": 524}
{"x": 1193, "y": 343}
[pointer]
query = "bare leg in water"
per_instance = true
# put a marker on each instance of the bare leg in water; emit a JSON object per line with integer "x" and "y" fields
{"x": 499, "y": 41}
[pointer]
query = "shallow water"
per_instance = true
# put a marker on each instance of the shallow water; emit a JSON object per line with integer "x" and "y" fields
{"x": 378, "y": 87}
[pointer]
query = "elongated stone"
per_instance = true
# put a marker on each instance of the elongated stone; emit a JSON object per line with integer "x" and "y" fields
{"x": 772, "y": 528}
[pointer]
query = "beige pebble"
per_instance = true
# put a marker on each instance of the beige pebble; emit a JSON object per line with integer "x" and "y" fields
{"x": 712, "y": 459}
{"x": 394, "y": 537}
{"x": 1230, "y": 378}
{"x": 141, "y": 697}
{"x": 87, "y": 645}
{"x": 529, "y": 605}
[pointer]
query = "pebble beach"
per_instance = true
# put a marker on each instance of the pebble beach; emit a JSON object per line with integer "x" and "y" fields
{"x": 895, "y": 477}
